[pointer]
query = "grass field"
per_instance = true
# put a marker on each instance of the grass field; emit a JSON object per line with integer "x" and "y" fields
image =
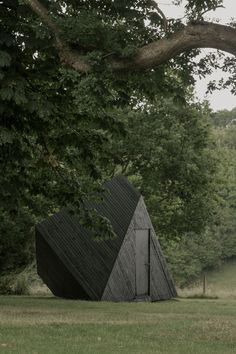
{"x": 49, "y": 325}
{"x": 45, "y": 325}
{"x": 220, "y": 283}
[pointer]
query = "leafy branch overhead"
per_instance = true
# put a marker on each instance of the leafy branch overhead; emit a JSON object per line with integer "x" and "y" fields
{"x": 196, "y": 34}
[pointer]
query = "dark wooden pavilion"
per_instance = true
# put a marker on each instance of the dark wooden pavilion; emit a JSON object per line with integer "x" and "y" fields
{"x": 127, "y": 268}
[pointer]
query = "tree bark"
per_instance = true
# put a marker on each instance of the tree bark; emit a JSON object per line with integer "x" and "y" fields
{"x": 201, "y": 35}
{"x": 192, "y": 36}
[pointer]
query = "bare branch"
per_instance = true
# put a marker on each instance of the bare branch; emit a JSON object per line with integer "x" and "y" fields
{"x": 161, "y": 13}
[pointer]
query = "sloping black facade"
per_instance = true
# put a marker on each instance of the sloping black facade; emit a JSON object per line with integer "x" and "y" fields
{"x": 69, "y": 260}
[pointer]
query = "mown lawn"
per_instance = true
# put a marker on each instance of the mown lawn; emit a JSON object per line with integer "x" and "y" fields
{"x": 49, "y": 325}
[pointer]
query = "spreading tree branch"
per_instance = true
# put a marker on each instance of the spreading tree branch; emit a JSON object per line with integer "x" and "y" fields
{"x": 197, "y": 35}
{"x": 194, "y": 35}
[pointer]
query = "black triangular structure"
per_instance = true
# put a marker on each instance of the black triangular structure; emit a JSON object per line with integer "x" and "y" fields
{"x": 129, "y": 267}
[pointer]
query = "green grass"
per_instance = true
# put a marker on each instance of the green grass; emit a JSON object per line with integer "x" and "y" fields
{"x": 47, "y": 325}
{"x": 224, "y": 279}
{"x": 30, "y": 325}
{"x": 220, "y": 283}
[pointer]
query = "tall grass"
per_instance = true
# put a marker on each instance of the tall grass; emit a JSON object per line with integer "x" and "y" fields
{"x": 25, "y": 282}
{"x": 220, "y": 283}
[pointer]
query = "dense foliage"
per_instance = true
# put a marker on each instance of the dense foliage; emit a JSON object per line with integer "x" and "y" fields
{"x": 63, "y": 132}
{"x": 217, "y": 241}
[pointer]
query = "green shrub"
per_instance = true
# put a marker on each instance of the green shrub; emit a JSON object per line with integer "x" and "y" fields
{"x": 21, "y": 285}
{"x": 5, "y": 285}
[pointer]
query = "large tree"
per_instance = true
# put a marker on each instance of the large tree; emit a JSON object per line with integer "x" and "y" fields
{"x": 70, "y": 73}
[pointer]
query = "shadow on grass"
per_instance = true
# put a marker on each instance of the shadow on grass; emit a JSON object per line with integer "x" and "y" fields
{"x": 200, "y": 296}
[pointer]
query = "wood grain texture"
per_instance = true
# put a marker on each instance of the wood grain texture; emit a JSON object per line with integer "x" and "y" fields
{"x": 121, "y": 285}
{"x": 161, "y": 283}
{"x": 74, "y": 265}
{"x": 88, "y": 261}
